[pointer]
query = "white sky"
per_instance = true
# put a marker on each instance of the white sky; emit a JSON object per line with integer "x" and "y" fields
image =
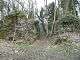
{"x": 40, "y": 3}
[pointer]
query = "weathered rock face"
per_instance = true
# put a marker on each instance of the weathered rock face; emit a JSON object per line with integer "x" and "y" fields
{"x": 41, "y": 25}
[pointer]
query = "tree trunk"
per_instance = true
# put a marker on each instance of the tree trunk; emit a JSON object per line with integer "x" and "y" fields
{"x": 53, "y": 25}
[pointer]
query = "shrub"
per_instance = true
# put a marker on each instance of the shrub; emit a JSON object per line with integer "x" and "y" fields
{"x": 70, "y": 21}
{"x": 61, "y": 40}
{"x": 9, "y": 21}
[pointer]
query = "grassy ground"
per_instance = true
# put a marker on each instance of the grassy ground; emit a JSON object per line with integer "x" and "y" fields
{"x": 40, "y": 50}
{"x": 43, "y": 49}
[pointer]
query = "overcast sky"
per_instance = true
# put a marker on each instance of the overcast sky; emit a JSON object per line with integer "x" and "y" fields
{"x": 40, "y": 3}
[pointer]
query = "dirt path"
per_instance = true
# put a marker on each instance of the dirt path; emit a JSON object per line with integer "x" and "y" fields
{"x": 40, "y": 50}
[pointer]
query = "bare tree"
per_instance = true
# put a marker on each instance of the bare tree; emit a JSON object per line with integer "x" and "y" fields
{"x": 53, "y": 25}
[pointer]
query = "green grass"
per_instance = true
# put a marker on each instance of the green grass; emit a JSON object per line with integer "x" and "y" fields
{"x": 67, "y": 49}
{"x": 22, "y": 45}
